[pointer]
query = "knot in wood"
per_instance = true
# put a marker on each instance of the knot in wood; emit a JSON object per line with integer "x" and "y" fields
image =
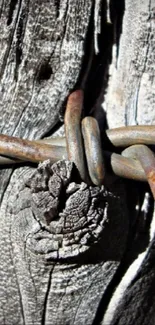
{"x": 72, "y": 217}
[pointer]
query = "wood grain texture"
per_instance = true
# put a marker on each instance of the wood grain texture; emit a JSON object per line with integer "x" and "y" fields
{"x": 131, "y": 84}
{"x": 41, "y": 52}
{"x": 66, "y": 244}
{"x": 130, "y": 98}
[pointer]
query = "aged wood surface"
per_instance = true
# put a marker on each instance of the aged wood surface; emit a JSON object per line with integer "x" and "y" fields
{"x": 62, "y": 242}
{"x": 130, "y": 97}
{"x": 131, "y": 83}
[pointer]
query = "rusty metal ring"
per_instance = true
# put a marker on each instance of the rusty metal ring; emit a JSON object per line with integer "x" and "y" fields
{"x": 94, "y": 156}
{"x": 74, "y": 139}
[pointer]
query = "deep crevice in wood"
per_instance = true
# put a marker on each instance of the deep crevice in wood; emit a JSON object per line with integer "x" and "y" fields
{"x": 57, "y": 5}
{"x": 44, "y": 315}
{"x": 137, "y": 242}
{"x": 98, "y": 75}
{"x": 117, "y": 9}
{"x": 88, "y": 54}
{"x": 12, "y": 7}
{"x": 55, "y": 128}
{"x": 20, "y": 35}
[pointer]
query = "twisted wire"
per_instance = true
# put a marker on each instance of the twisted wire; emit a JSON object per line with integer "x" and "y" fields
{"x": 82, "y": 145}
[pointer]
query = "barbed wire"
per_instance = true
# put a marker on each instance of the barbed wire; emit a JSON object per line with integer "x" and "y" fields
{"x": 84, "y": 147}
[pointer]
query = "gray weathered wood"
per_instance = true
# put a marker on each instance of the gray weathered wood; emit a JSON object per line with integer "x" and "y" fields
{"x": 130, "y": 97}
{"x": 62, "y": 241}
{"x": 63, "y": 257}
{"x": 131, "y": 83}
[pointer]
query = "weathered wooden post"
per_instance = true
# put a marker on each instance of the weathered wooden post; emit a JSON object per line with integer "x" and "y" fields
{"x": 69, "y": 251}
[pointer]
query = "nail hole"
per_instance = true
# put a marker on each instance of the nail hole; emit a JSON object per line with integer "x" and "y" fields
{"x": 44, "y": 72}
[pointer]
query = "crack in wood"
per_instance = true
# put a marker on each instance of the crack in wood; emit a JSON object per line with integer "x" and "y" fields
{"x": 12, "y": 7}
{"x": 20, "y": 31}
{"x": 57, "y": 5}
